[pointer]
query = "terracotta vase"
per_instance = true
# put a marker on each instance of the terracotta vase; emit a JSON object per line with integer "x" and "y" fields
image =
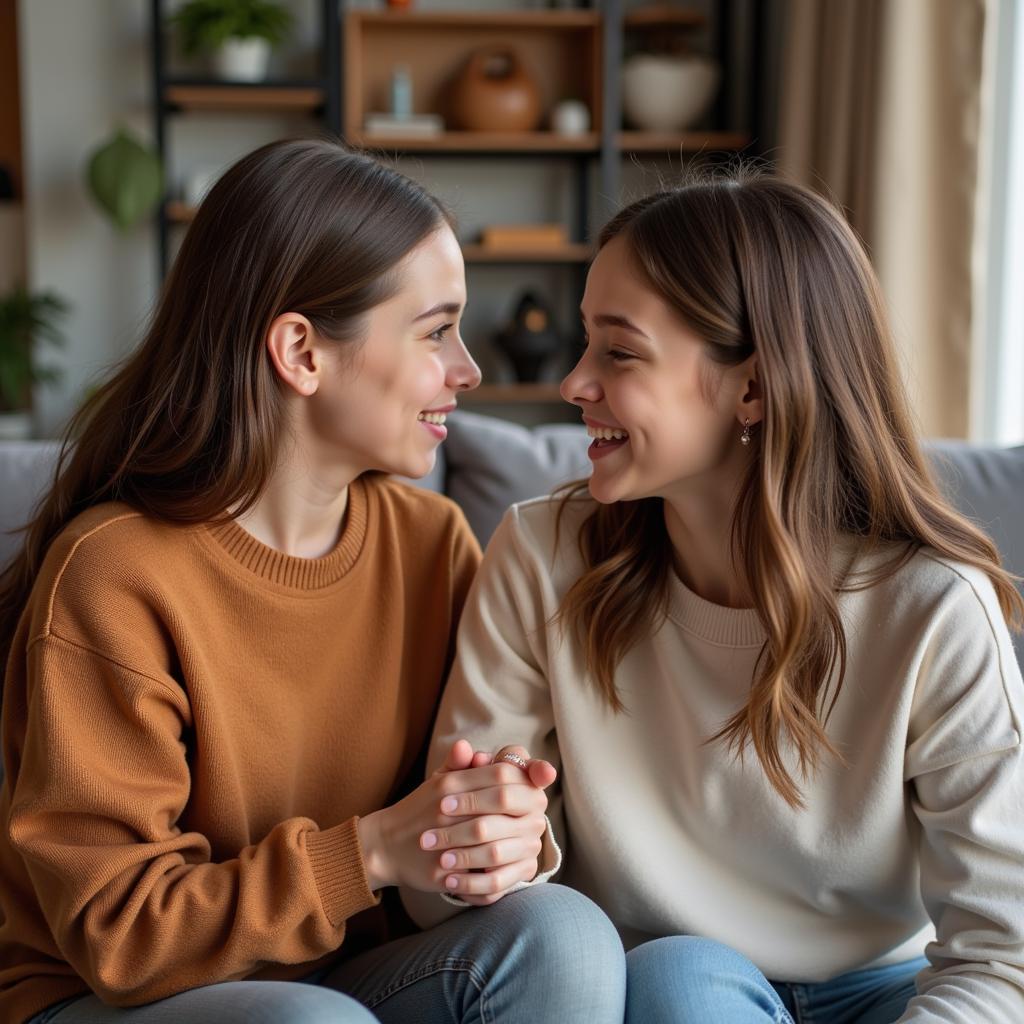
{"x": 494, "y": 92}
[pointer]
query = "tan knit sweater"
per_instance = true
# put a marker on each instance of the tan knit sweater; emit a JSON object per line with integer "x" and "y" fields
{"x": 192, "y": 723}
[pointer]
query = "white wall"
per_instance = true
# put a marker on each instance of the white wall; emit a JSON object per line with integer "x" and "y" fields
{"x": 83, "y": 69}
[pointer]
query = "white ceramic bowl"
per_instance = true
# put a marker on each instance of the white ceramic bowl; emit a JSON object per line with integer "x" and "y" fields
{"x": 667, "y": 94}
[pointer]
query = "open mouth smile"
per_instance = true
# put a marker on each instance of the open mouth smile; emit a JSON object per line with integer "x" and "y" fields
{"x": 605, "y": 440}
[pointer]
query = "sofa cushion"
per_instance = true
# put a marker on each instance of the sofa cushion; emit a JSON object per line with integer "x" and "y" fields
{"x": 26, "y": 470}
{"x": 492, "y": 463}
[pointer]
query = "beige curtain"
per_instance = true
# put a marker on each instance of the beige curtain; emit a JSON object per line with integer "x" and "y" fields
{"x": 880, "y": 108}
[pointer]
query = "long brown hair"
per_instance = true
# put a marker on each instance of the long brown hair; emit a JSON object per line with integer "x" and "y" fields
{"x": 190, "y": 424}
{"x": 756, "y": 265}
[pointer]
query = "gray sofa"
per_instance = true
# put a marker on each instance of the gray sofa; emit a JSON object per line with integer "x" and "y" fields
{"x": 487, "y": 463}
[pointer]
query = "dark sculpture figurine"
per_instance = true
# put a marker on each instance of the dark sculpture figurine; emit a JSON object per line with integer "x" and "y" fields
{"x": 530, "y": 338}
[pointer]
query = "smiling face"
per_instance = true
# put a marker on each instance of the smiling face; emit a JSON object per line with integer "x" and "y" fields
{"x": 383, "y": 406}
{"x": 646, "y": 377}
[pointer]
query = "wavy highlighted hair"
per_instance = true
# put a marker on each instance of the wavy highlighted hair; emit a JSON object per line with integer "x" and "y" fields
{"x": 757, "y": 265}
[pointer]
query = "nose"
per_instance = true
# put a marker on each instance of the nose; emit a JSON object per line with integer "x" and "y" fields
{"x": 461, "y": 372}
{"x": 580, "y": 385}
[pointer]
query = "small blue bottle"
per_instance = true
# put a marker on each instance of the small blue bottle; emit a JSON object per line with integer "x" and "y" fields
{"x": 401, "y": 92}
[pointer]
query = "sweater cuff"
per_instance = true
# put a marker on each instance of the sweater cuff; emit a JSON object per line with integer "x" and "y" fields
{"x": 550, "y": 862}
{"x": 339, "y": 872}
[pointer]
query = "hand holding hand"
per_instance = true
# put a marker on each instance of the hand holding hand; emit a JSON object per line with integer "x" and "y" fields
{"x": 483, "y": 816}
{"x": 539, "y": 774}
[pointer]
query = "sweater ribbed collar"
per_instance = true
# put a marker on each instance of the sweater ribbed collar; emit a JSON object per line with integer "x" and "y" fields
{"x": 729, "y": 627}
{"x": 294, "y": 572}
{"x": 741, "y": 627}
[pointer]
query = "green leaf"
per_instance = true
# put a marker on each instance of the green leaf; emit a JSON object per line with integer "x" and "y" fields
{"x": 26, "y": 320}
{"x": 126, "y": 179}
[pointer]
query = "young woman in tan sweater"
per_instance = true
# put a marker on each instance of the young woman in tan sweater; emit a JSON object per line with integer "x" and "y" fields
{"x": 225, "y": 640}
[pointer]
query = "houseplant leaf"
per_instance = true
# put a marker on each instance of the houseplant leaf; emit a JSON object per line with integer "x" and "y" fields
{"x": 126, "y": 179}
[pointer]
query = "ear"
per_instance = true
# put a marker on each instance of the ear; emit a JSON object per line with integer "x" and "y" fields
{"x": 751, "y": 398}
{"x": 291, "y": 343}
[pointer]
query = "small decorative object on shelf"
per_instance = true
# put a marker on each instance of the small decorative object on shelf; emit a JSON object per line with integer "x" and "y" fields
{"x": 529, "y": 339}
{"x": 26, "y": 321}
{"x": 571, "y": 117}
{"x": 401, "y": 92}
{"x": 523, "y": 236}
{"x": 238, "y": 34}
{"x": 495, "y": 92}
{"x": 420, "y": 126}
{"x": 665, "y": 88}
{"x": 667, "y": 92}
{"x": 401, "y": 121}
{"x": 126, "y": 179}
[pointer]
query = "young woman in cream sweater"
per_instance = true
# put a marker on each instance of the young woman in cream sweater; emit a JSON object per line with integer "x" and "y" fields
{"x": 771, "y": 663}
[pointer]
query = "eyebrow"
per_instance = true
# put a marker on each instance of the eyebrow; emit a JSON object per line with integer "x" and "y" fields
{"x": 450, "y": 308}
{"x": 615, "y": 320}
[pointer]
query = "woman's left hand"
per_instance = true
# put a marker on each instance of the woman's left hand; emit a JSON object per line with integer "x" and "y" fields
{"x": 483, "y": 829}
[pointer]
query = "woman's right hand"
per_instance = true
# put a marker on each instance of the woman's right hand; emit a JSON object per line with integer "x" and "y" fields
{"x": 504, "y": 824}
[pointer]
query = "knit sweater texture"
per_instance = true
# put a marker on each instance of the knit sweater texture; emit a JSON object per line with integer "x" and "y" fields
{"x": 193, "y": 723}
{"x": 914, "y": 845}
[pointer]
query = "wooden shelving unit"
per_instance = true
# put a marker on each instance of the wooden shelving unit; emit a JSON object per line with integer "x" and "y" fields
{"x": 260, "y": 98}
{"x": 562, "y": 50}
{"x": 569, "y": 53}
{"x": 539, "y": 142}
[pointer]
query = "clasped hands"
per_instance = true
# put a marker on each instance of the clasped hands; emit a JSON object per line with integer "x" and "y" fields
{"x": 473, "y": 829}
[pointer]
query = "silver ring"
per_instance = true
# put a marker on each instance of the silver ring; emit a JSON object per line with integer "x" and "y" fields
{"x": 514, "y": 759}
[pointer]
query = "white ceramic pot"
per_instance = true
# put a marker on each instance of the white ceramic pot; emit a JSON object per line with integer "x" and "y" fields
{"x": 665, "y": 93}
{"x": 242, "y": 60}
{"x": 571, "y": 117}
{"x": 15, "y": 426}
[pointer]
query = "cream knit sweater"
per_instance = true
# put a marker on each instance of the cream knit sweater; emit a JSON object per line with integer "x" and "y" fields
{"x": 916, "y": 845}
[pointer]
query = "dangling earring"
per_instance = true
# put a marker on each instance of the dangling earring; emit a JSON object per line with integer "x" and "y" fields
{"x": 745, "y": 436}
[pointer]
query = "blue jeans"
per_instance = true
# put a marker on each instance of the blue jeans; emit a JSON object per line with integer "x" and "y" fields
{"x": 683, "y": 979}
{"x": 544, "y": 953}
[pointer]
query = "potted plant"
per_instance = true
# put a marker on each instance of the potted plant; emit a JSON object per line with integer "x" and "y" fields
{"x": 237, "y": 33}
{"x": 26, "y": 321}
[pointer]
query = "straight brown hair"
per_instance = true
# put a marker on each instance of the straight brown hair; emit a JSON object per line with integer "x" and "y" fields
{"x": 757, "y": 265}
{"x": 190, "y": 425}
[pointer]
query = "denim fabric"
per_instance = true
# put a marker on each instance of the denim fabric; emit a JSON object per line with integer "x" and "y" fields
{"x": 683, "y": 979}
{"x": 541, "y": 954}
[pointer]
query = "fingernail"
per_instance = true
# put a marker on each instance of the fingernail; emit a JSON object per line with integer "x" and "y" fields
{"x": 451, "y": 882}
{"x": 448, "y": 860}
{"x": 428, "y": 840}
{"x": 448, "y": 804}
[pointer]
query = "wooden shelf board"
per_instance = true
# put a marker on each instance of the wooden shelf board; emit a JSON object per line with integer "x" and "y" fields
{"x": 478, "y": 19}
{"x": 244, "y": 97}
{"x": 571, "y": 253}
{"x": 541, "y": 392}
{"x": 681, "y": 142}
{"x": 664, "y": 16}
{"x": 480, "y": 142}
